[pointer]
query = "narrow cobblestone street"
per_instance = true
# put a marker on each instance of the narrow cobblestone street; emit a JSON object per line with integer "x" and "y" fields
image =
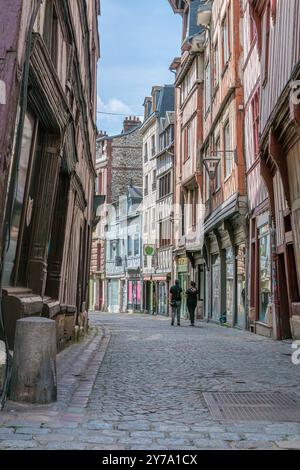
{"x": 136, "y": 383}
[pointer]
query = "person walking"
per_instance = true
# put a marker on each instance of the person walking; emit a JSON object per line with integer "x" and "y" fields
{"x": 175, "y": 301}
{"x": 192, "y": 298}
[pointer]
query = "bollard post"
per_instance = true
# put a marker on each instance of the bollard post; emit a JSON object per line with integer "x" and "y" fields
{"x": 34, "y": 363}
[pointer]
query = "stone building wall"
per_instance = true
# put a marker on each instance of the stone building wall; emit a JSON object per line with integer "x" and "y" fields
{"x": 126, "y": 162}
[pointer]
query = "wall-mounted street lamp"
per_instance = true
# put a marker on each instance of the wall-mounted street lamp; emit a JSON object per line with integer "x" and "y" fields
{"x": 211, "y": 162}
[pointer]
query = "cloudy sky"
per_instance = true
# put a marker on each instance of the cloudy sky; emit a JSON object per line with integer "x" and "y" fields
{"x": 138, "y": 40}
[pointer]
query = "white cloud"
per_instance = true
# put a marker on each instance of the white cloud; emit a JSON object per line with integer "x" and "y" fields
{"x": 114, "y": 105}
{"x": 113, "y": 124}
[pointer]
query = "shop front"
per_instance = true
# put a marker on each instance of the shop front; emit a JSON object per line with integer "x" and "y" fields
{"x": 216, "y": 287}
{"x": 183, "y": 277}
{"x": 264, "y": 271}
{"x": 113, "y": 295}
{"x": 149, "y": 295}
{"x": 134, "y": 292}
{"x": 240, "y": 320}
{"x": 162, "y": 295}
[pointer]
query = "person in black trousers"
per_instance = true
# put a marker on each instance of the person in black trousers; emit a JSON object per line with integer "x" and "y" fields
{"x": 175, "y": 301}
{"x": 192, "y": 298}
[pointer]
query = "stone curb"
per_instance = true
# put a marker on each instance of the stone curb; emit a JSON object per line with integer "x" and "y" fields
{"x": 89, "y": 370}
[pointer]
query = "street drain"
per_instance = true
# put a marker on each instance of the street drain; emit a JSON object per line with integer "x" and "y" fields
{"x": 250, "y": 406}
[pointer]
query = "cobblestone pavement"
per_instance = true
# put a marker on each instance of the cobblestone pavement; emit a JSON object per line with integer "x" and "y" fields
{"x": 136, "y": 383}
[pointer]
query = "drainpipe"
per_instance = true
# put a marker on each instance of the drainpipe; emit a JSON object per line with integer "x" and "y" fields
{"x": 12, "y": 185}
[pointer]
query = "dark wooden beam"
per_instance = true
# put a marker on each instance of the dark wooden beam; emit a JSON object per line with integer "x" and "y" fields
{"x": 279, "y": 157}
{"x": 266, "y": 174}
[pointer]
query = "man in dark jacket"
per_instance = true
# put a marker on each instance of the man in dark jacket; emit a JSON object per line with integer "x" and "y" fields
{"x": 191, "y": 301}
{"x": 175, "y": 301}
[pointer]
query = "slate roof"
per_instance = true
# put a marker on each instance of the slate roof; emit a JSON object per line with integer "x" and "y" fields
{"x": 135, "y": 192}
{"x": 166, "y": 100}
{"x": 194, "y": 29}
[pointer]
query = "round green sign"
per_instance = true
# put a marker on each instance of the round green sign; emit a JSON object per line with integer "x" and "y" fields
{"x": 149, "y": 250}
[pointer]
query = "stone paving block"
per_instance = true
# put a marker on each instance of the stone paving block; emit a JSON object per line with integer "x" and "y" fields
{"x": 135, "y": 441}
{"x": 262, "y": 437}
{"x": 32, "y": 430}
{"x": 210, "y": 444}
{"x": 20, "y": 444}
{"x": 253, "y": 445}
{"x": 170, "y": 442}
{"x": 18, "y": 437}
{"x": 65, "y": 446}
{"x": 98, "y": 425}
{"x": 104, "y": 447}
{"x": 226, "y": 436}
{"x": 6, "y": 431}
{"x": 171, "y": 428}
{"x": 289, "y": 444}
{"x": 61, "y": 424}
{"x": 148, "y": 434}
{"x": 134, "y": 426}
{"x": 189, "y": 435}
{"x": 97, "y": 439}
{"x": 54, "y": 438}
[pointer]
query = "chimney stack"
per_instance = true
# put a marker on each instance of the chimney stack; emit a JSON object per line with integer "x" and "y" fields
{"x": 130, "y": 123}
{"x": 102, "y": 134}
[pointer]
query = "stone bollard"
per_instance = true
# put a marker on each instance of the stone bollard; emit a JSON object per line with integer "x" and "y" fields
{"x": 34, "y": 362}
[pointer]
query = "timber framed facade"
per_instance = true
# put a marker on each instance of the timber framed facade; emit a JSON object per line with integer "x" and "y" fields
{"x": 279, "y": 53}
{"x": 52, "y": 115}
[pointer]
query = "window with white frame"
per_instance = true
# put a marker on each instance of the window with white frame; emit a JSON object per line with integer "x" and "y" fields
{"x": 216, "y": 65}
{"x": 228, "y": 150}
{"x": 207, "y": 86}
{"x": 189, "y": 141}
{"x": 218, "y": 171}
{"x": 225, "y": 39}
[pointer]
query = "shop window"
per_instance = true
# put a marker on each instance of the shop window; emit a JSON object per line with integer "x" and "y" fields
{"x": 216, "y": 287}
{"x": 241, "y": 285}
{"x": 23, "y": 204}
{"x": 229, "y": 284}
{"x": 264, "y": 271}
{"x": 201, "y": 281}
